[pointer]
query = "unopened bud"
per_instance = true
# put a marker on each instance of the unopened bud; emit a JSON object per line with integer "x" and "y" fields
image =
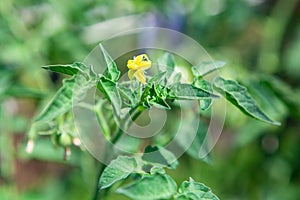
{"x": 76, "y": 141}
{"x": 67, "y": 153}
{"x": 30, "y": 146}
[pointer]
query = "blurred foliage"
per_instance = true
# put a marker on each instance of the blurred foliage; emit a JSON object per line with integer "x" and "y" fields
{"x": 258, "y": 39}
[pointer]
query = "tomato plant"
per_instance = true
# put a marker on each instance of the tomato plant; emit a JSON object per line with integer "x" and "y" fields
{"x": 141, "y": 175}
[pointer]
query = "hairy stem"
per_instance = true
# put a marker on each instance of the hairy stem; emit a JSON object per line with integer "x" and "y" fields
{"x": 100, "y": 171}
{"x": 134, "y": 112}
{"x": 125, "y": 124}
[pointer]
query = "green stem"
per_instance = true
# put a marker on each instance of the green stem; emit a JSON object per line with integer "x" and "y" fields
{"x": 124, "y": 126}
{"x": 102, "y": 121}
{"x": 127, "y": 122}
{"x": 139, "y": 90}
{"x": 100, "y": 171}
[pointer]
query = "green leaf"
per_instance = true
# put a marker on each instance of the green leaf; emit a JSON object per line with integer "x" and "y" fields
{"x": 60, "y": 104}
{"x": 157, "y": 78}
{"x": 238, "y": 96}
{"x": 206, "y": 86}
{"x": 129, "y": 144}
{"x": 205, "y": 68}
{"x": 157, "y": 170}
{"x": 160, "y": 157}
{"x": 177, "y": 77}
{"x": 67, "y": 69}
{"x": 151, "y": 187}
{"x": 110, "y": 91}
{"x": 160, "y": 90}
{"x": 186, "y": 196}
{"x": 160, "y": 103}
{"x": 159, "y": 98}
{"x": 146, "y": 96}
{"x": 111, "y": 71}
{"x": 187, "y": 91}
{"x": 166, "y": 63}
{"x": 195, "y": 191}
{"x": 199, "y": 147}
{"x": 118, "y": 169}
{"x": 154, "y": 95}
{"x": 128, "y": 94}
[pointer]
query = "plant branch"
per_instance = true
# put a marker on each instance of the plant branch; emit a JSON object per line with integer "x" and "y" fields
{"x": 128, "y": 120}
{"x": 125, "y": 124}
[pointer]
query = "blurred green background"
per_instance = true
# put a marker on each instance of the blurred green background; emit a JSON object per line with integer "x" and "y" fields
{"x": 258, "y": 39}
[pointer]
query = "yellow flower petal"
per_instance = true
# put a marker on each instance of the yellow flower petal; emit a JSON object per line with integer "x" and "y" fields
{"x": 145, "y": 65}
{"x": 140, "y": 62}
{"x": 140, "y": 75}
{"x": 137, "y": 66}
{"x": 132, "y": 65}
{"x": 140, "y": 58}
{"x": 131, "y": 74}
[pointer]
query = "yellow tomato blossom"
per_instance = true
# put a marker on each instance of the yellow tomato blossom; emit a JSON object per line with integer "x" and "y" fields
{"x": 137, "y": 66}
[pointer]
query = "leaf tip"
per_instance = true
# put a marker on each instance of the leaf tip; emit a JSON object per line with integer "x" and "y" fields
{"x": 276, "y": 123}
{"x": 220, "y": 63}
